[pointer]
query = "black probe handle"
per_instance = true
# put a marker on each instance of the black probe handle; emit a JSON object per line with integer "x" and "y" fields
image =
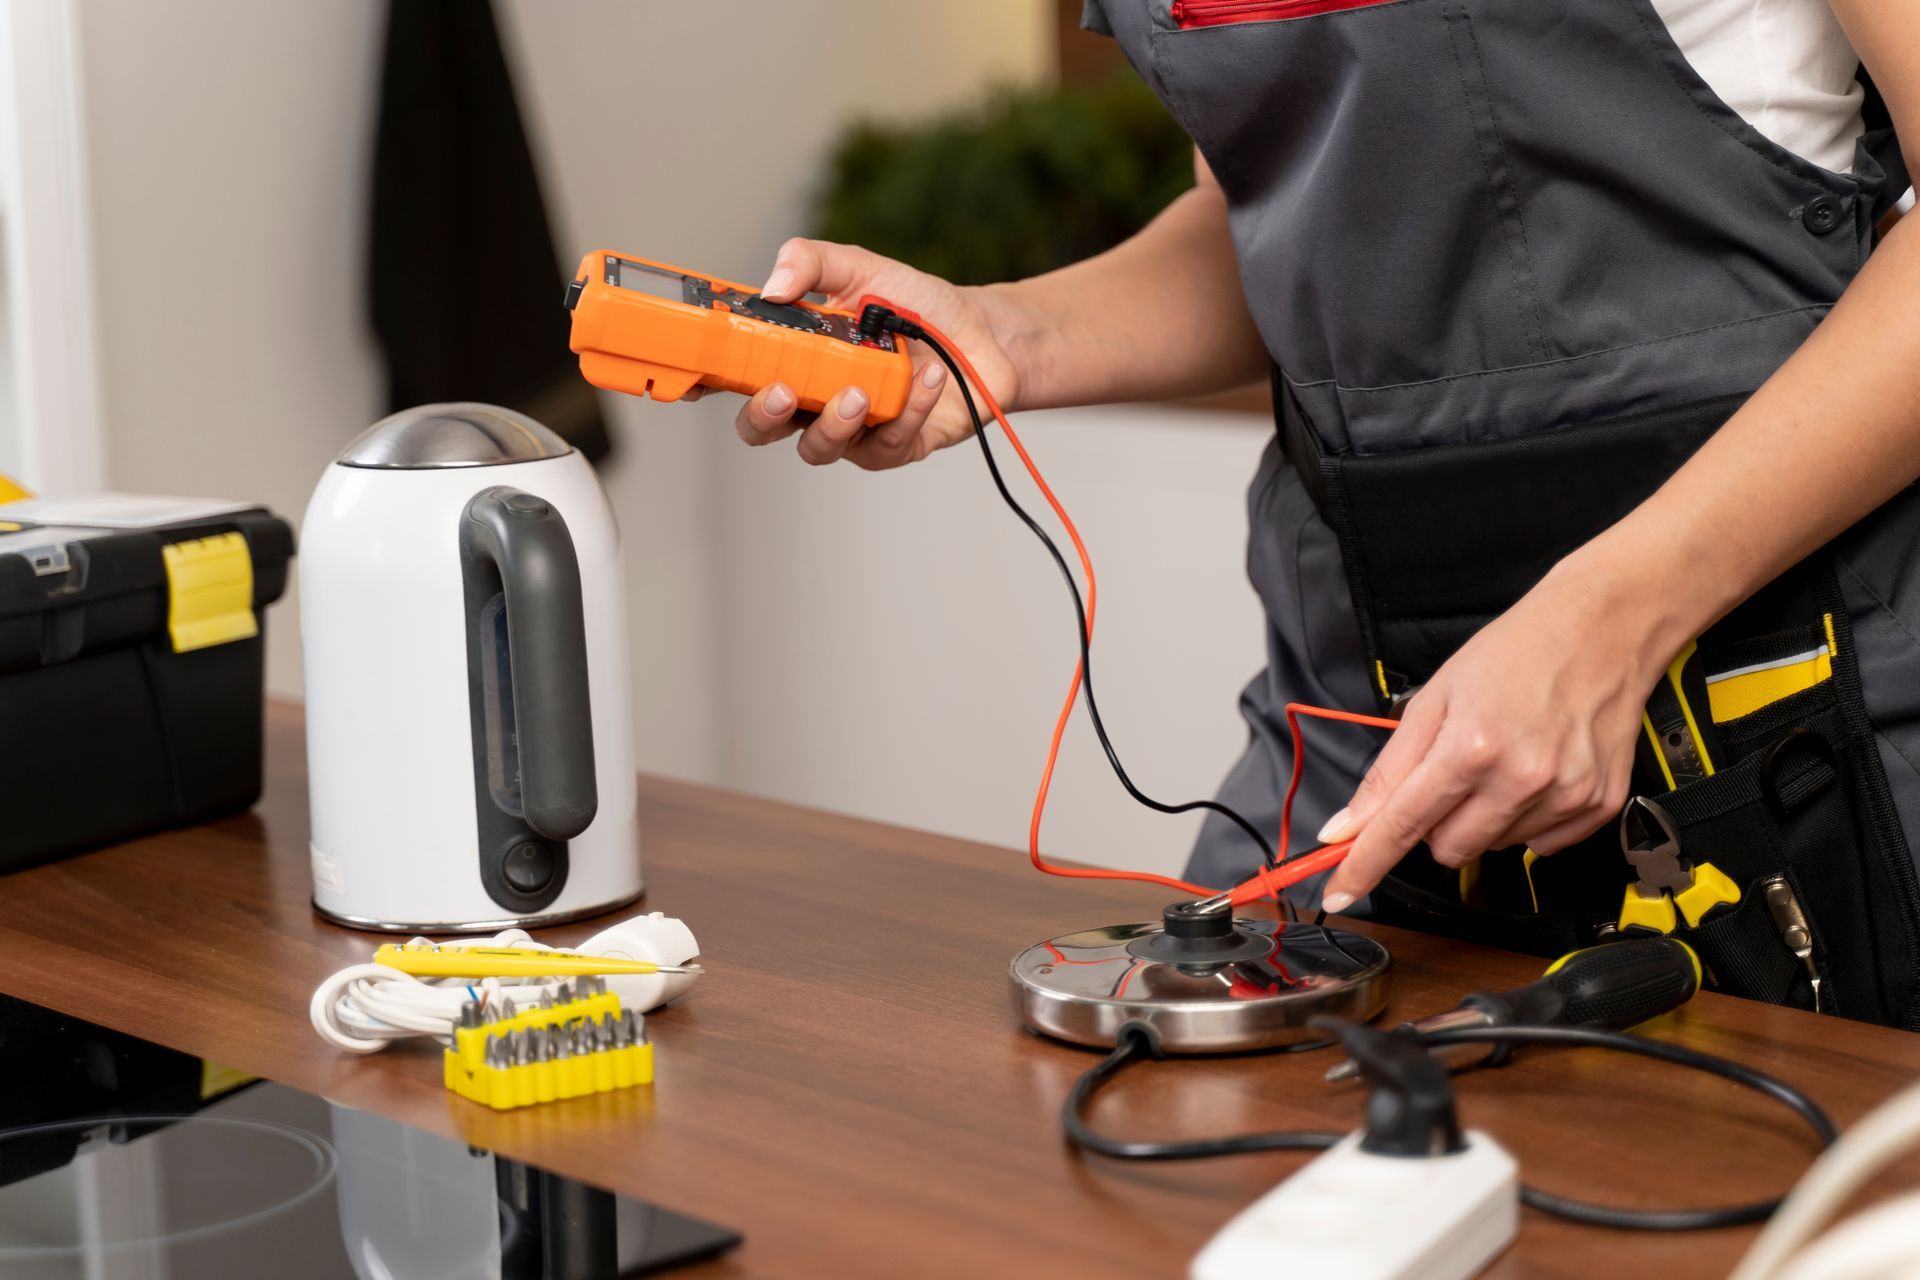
{"x": 1609, "y": 987}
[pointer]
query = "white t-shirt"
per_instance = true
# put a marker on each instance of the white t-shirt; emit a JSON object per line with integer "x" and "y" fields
{"x": 1784, "y": 65}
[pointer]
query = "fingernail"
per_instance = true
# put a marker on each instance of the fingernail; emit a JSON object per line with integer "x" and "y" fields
{"x": 1336, "y": 829}
{"x": 1334, "y": 903}
{"x": 933, "y": 375}
{"x": 778, "y": 283}
{"x": 778, "y": 400}
{"x": 853, "y": 405}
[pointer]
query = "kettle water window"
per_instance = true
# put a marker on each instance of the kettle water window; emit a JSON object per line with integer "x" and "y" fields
{"x": 496, "y": 694}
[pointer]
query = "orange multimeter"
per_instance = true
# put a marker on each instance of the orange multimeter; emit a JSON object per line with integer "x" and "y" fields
{"x": 646, "y": 328}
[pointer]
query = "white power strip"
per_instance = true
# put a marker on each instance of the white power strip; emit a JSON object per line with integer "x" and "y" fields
{"x": 1361, "y": 1216}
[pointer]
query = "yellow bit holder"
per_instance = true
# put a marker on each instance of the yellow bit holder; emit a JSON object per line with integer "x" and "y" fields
{"x": 468, "y": 1074}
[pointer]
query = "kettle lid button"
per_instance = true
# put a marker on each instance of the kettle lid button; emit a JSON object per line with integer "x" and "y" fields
{"x": 525, "y": 504}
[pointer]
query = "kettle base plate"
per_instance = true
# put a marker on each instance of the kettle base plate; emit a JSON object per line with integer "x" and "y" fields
{"x": 1087, "y": 988}
{"x": 537, "y": 921}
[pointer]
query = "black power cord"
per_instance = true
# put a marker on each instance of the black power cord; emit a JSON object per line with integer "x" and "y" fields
{"x": 1136, "y": 1044}
{"x": 1650, "y": 1219}
{"x": 883, "y": 318}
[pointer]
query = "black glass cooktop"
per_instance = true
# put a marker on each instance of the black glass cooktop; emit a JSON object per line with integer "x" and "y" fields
{"x": 123, "y": 1159}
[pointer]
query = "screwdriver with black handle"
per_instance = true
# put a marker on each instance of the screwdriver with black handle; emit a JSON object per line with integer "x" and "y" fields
{"x": 1606, "y": 988}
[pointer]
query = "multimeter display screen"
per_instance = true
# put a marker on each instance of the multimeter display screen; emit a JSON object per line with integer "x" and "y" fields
{"x": 661, "y": 284}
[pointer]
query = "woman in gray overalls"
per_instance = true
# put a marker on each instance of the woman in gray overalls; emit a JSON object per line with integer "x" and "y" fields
{"x": 1577, "y": 457}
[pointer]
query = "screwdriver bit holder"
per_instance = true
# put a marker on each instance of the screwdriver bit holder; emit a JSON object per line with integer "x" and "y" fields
{"x": 582, "y": 1043}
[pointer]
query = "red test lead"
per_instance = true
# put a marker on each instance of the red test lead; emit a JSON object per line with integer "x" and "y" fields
{"x": 1270, "y": 880}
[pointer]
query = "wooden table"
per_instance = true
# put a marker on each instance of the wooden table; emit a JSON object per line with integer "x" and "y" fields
{"x": 847, "y": 1084}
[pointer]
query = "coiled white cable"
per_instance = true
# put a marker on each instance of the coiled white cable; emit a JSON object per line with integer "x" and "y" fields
{"x": 366, "y": 1007}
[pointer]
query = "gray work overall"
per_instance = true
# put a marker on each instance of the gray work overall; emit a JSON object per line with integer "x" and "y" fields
{"x": 1514, "y": 261}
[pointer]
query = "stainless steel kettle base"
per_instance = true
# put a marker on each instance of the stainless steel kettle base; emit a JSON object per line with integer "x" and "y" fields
{"x": 539, "y": 921}
{"x": 1239, "y": 985}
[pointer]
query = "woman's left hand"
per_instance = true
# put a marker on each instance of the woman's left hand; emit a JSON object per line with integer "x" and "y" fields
{"x": 1525, "y": 736}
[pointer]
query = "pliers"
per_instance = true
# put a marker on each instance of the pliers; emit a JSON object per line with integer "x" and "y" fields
{"x": 1670, "y": 887}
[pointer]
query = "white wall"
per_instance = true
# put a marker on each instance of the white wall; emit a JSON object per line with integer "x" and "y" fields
{"x": 228, "y": 163}
{"x": 900, "y": 644}
{"x": 50, "y": 423}
{"x": 893, "y": 645}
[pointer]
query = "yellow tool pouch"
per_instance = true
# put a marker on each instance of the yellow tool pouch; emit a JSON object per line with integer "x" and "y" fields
{"x": 1797, "y": 810}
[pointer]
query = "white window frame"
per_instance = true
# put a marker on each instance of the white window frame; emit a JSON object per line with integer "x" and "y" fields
{"x": 51, "y": 433}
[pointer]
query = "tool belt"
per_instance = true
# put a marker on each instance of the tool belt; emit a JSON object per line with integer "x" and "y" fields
{"x": 1437, "y": 542}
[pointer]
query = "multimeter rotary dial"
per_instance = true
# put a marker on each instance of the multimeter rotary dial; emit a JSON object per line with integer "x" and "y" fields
{"x": 784, "y": 314}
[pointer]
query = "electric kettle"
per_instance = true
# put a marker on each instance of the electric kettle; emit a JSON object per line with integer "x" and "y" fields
{"x": 469, "y": 733}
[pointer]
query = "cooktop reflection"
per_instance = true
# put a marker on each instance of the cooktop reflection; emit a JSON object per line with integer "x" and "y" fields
{"x": 123, "y": 1160}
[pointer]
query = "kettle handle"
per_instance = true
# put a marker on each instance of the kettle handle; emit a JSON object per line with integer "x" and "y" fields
{"x": 526, "y": 540}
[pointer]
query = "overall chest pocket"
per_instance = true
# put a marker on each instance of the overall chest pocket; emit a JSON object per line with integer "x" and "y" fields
{"x": 1370, "y": 190}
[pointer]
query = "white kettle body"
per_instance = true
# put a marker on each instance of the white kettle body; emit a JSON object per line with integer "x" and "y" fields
{"x": 469, "y": 725}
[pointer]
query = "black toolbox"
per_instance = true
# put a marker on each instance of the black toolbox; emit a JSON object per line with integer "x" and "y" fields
{"x": 132, "y": 666}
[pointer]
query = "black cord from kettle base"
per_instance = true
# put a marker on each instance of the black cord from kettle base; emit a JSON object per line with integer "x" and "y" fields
{"x": 900, "y": 324}
{"x": 1136, "y": 1044}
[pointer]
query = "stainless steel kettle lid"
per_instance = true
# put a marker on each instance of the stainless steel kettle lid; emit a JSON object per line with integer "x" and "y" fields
{"x": 461, "y": 434}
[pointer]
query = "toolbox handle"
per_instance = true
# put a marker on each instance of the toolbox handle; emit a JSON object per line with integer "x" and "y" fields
{"x": 526, "y": 539}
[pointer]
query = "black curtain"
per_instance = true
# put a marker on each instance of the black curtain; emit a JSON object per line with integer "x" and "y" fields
{"x": 465, "y": 287}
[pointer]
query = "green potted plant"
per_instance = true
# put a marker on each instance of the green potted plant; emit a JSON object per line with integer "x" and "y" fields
{"x": 1031, "y": 180}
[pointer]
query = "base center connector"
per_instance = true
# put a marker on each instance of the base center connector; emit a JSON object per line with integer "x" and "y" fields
{"x": 1200, "y": 937}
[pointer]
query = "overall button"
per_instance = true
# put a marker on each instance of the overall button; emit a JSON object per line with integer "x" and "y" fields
{"x": 528, "y": 866}
{"x": 525, "y": 504}
{"x": 1821, "y": 215}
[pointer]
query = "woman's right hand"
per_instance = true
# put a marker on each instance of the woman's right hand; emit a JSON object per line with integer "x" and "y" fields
{"x": 935, "y": 416}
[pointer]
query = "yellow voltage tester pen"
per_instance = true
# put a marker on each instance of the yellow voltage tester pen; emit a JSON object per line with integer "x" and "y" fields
{"x": 509, "y": 962}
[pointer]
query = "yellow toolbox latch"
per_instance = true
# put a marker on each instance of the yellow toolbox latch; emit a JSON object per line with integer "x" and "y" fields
{"x": 209, "y": 592}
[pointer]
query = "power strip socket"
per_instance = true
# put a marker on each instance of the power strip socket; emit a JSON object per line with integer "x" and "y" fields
{"x": 1361, "y": 1216}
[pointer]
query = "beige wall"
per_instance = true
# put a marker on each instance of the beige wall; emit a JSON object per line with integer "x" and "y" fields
{"x": 893, "y": 645}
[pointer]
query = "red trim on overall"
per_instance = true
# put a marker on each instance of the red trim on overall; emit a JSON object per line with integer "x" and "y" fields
{"x": 1219, "y": 13}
